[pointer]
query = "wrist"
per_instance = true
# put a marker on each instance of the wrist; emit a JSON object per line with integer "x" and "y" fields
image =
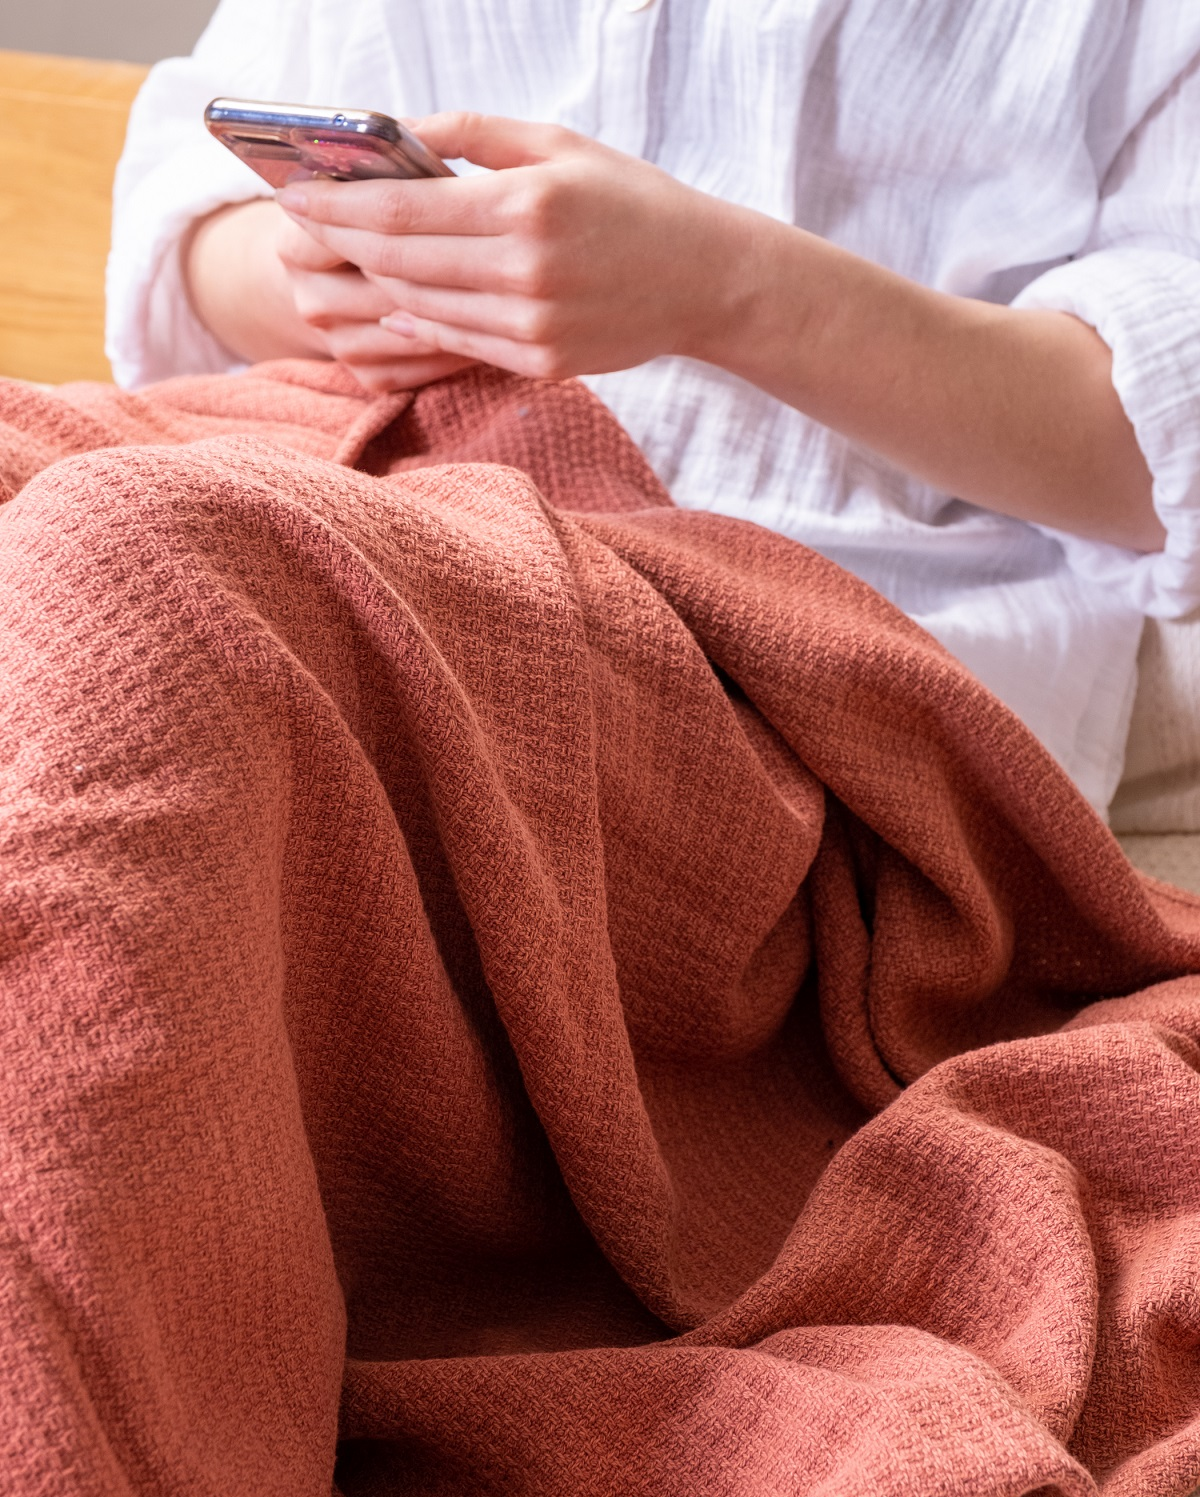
{"x": 758, "y": 298}
{"x": 239, "y": 288}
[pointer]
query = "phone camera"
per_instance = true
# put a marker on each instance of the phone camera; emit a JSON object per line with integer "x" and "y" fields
{"x": 338, "y": 121}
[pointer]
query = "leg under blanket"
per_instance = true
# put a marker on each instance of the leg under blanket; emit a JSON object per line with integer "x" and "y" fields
{"x": 510, "y": 987}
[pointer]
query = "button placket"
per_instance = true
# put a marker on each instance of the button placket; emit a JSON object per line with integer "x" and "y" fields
{"x": 626, "y": 41}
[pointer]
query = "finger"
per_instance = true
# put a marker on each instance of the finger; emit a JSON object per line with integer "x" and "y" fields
{"x": 533, "y": 360}
{"x": 410, "y": 374}
{"x": 518, "y": 318}
{"x": 300, "y": 250}
{"x": 424, "y": 205}
{"x": 494, "y": 141}
{"x": 492, "y": 262}
{"x": 369, "y": 343}
{"x": 323, "y": 298}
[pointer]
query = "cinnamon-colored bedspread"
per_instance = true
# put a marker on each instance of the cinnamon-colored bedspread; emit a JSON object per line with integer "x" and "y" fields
{"x": 522, "y": 989}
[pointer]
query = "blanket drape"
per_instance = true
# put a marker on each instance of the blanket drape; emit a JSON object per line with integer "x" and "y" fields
{"x": 513, "y": 987}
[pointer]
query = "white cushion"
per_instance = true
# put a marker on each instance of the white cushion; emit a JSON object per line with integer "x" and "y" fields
{"x": 1175, "y": 859}
{"x": 1160, "y": 792}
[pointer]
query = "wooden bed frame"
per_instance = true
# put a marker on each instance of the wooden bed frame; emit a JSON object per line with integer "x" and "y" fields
{"x": 62, "y": 125}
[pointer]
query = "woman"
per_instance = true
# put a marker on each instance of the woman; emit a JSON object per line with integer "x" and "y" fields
{"x": 925, "y": 302}
{"x": 509, "y": 984}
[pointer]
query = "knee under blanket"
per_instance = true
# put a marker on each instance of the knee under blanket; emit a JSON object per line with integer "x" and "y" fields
{"x": 517, "y": 988}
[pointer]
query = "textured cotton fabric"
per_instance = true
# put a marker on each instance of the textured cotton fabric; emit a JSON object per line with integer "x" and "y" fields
{"x": 1029, "y": 149}
{"x": 566, "y": 995}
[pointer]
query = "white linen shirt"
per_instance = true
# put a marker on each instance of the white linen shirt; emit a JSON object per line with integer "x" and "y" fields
{"x": 1044, "y": 153}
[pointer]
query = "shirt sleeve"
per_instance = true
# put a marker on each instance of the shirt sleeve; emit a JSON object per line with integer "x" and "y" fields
{"x": 1138, "y": 284}
{"x": 173, "y": 172}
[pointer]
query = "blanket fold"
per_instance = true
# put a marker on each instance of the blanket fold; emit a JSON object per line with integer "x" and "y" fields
{"x": 508, "y": 986}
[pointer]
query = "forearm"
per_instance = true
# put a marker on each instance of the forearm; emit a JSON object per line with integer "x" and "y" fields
{"x": 1012, "y": 410}
{"x": 238, "y": 287}
{"x": 568, "y": 258}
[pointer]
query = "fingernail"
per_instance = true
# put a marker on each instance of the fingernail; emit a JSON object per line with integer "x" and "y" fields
{"x": 399, "y": 322}
{"x": 292, "y": 199}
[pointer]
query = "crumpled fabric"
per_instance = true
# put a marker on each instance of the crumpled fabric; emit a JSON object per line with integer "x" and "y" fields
{"x": 510, "y": 987}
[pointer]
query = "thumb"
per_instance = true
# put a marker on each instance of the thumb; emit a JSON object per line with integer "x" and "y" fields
{"x": 491, "y": 140}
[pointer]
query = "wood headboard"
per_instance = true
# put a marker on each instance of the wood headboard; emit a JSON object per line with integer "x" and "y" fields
{"x": 62, "y": 124}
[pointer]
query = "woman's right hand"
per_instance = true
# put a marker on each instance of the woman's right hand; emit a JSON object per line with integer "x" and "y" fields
{"x": 267, "y": 290}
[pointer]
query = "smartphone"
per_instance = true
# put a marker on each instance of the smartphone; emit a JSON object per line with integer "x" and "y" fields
{"x": 295, "y": 142}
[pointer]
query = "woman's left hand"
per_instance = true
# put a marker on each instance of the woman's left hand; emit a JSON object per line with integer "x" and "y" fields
{"x": 569, "y": 258}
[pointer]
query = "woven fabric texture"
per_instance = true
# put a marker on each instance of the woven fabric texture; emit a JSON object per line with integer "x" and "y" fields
{"x": 508, "y": 987}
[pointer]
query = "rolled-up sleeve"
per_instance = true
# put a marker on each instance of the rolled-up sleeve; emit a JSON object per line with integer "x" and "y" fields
{"x": 1138, "y": 285}
{"x": 1145, "y": 304}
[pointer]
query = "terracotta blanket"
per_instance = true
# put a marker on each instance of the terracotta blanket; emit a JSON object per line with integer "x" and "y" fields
{"x": 514, "y": 988}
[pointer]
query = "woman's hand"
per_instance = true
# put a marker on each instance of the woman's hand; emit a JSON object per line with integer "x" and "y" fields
{"x": 343, "y": 310}
{"x": 268, "y": 290}
{"x": 570, "y": 258}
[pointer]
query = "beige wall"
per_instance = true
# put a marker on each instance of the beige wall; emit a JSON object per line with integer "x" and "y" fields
{"x": 129, "y": 30}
